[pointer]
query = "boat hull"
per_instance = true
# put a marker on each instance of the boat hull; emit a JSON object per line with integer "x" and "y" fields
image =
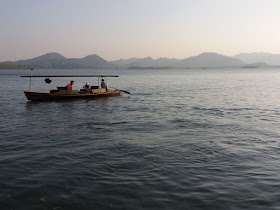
{"x": 36, "y": 96}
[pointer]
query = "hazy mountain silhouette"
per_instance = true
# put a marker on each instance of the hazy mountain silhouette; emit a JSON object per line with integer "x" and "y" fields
{"x": 148, "y": 62}
{"x": 45, "y": 61}
{"x": 57, "y": 61}
{"x": 204, "y": 60}
{"x": 209, "y": 60}
{"x": 124, "y": 62}
{"x": 256, "y": 57}
{"x": 256, "y": 65}
{"x": 91, "y": 61}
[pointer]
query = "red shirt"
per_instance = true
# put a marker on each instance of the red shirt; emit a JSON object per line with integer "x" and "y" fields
{"x": 69, "y": 87}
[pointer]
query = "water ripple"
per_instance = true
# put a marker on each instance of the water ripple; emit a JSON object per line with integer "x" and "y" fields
{"x": 190, "y": 140}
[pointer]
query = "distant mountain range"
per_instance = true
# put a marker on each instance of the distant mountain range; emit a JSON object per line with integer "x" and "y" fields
{"x": 204, "y": 60}
{"x": 259, "y": 57}
{"x": 57, "y": 61}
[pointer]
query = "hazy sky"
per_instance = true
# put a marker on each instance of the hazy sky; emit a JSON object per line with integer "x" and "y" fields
{"x": 115, "y": 29}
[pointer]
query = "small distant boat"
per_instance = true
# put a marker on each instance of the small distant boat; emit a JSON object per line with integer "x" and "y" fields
{"x": 62, "y": 93}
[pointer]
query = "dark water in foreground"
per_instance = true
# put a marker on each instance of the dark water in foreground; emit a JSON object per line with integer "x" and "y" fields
{"x": 183, "y": 139}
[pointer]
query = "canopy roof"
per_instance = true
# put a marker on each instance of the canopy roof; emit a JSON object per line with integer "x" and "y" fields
{"x": 72, "y": 76}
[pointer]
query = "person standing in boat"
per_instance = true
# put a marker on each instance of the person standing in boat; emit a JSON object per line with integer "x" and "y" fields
{"x": 69, "y": 86}
{"x": 104, "y": 84}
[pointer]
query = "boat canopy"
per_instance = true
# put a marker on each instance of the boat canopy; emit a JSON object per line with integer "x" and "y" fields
{"x": 71, "y": 76}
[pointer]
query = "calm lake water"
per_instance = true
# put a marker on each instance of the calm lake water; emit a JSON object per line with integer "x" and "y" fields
{"x": 183, "y": 139}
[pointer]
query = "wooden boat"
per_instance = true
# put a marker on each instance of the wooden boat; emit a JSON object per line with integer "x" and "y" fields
{"x": 62, "y": 93}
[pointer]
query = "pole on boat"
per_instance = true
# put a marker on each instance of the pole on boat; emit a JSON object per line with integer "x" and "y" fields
{"x": 29, "y": 84}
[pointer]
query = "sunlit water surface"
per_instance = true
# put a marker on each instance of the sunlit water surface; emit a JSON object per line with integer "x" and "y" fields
{"x": 183, "y": 139}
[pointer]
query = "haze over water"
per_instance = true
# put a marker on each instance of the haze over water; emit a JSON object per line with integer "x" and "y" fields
{"x": 183, "y": 139}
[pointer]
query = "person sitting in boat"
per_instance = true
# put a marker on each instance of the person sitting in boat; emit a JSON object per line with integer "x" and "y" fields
{"x": 87, "y": 88}
{"x": 69, "y": 86}
{"x": 104, "y": 84}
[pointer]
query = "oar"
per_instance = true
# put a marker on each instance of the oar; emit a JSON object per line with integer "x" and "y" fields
{"x": 121, "y": 90}
{"x": 125, "y": 91}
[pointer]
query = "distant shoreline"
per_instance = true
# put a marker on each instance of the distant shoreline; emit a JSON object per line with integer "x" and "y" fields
{"x": 195, "y": 68}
